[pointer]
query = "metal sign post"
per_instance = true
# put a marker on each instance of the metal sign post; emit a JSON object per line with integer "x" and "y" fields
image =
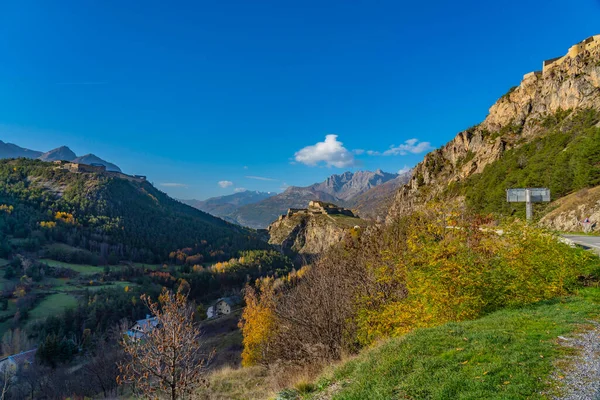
{"x": 528, "y": 196}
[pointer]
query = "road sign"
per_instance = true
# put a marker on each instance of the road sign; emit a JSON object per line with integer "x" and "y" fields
{"x": 528, "y": 196}
{"x": 538, "y": 195}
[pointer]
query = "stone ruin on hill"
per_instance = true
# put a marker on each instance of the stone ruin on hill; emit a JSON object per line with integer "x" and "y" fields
{"x": 318, "y": 208}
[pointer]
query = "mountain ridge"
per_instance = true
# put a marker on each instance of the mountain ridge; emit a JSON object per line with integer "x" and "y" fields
{"x": 337, "y": 188}
{"x": 525, "y": 113}
{"x": 62, "y": 153}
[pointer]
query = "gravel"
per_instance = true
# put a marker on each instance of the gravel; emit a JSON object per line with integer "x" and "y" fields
{"x": 580, "y": 379}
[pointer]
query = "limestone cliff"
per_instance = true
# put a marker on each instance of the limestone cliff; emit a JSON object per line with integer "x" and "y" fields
{"x": 568, "y": 213}
{"x": 569, "y": 82}
{"x": 305, "y": 234}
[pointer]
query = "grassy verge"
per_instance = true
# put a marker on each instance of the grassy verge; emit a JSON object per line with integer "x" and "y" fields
{"x": 52, "y": 304}
{"x": 506, "y": 355}
{"x": 82, "y": 269}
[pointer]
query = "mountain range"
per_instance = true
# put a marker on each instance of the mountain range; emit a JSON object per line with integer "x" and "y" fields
{"x": 225, "y": 206}
{"x": 63, "y": 153}
{"x": 365, "y": 191}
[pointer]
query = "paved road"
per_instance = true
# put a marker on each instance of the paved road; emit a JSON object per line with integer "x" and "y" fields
{"x": 590, "y": 242}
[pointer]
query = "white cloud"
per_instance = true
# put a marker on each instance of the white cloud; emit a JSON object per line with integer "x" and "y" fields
{"x": 225, "y": 184}
{"x": 410, "y": 146}
{"x": 358, "y": 152}
{"x": 331, "y": 152}
{"x": 239, "y": 190}
{"x": 404, "y": 170}
{"x": 173, "y": 184}
{"x": 260, "y": 178}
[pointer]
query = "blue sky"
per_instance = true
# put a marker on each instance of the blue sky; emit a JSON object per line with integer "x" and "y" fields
{"x": 201, "y": 92}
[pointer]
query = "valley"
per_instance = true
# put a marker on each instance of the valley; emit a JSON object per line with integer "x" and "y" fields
{"x": 425, "y": 283}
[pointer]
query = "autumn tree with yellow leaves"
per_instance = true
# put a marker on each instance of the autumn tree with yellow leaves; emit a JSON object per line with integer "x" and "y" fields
{"x": 435, "y": 266}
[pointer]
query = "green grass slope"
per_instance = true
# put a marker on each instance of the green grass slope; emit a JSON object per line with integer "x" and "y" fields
{"x": 506, "y": 355}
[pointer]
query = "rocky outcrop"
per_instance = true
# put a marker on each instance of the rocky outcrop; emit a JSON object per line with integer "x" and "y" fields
{"x": 306, "y": 234}
{"x": 568, "y": 212}
{"x": 572, "y": 82}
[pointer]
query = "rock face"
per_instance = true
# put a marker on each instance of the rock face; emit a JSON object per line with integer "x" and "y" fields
{"x": 308, "y": 232}
{"x": 570, "y": 82}
{"x": 569, "y": 211}
{"x": 349, "y": 185}
{"x": 375, "y": 203}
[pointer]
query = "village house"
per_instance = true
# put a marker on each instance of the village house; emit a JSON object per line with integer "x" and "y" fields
{"x": 142, "y": 328}
{"x": 222, "y": 306}
{"x": 11, "y": 364}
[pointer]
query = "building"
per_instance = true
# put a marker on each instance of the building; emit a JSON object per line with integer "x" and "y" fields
{"x": 222, "y": 306}
{"x": 12, "y": 364}
{"x": 76, "y": 167}
{"x": 590, "y": 44}
{"x": 142, "y": 328}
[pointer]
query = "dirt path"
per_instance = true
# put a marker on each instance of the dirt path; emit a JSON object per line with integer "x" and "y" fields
{"x": 580, "y": 378}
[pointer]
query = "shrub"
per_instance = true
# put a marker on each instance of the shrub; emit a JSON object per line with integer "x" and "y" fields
{"x": 424, "y": 270}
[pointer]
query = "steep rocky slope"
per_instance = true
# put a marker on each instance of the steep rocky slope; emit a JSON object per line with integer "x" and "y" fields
{"x": 568, "y": 212}
{"x": 520, "y": 116}
{"x": 375, "y": 202}
{"x": 348, "y": 185}
{"x": 307, "y": 235}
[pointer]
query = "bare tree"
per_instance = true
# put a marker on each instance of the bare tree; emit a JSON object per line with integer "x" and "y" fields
{"x": 6, "y": 378}
{"x": 102, "y": 367}
{"x": 167, "y": 360}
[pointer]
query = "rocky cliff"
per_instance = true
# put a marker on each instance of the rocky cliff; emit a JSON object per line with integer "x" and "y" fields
{"x": 568, "y": 213}
{"x": 518, "y": 117}
{"x": 306, "y": 235}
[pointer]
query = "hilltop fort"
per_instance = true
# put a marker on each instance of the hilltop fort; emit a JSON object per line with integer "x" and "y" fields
{"x": 586, "y": 47}
{"x": 318, "y": 208}
{"x": 98, "y": 169}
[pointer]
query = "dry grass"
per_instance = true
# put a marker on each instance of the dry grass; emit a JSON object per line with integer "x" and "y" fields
{"x": 573, "y": 201}
{"x": 230, "y": 383}
{"x": 257, "y": 383}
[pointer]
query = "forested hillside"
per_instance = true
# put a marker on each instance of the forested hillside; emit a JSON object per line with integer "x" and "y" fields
{"x": 565, "y": 159}
{"x": 111, "y": 217}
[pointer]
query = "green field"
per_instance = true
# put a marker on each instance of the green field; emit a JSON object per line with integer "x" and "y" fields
{"x": 53, "y": 304}
{"x": 509, "y": 354}
{"x": 82, "y": 269}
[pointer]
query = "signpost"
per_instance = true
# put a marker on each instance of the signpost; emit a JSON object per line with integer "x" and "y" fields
{"x": 528, "y": 196}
